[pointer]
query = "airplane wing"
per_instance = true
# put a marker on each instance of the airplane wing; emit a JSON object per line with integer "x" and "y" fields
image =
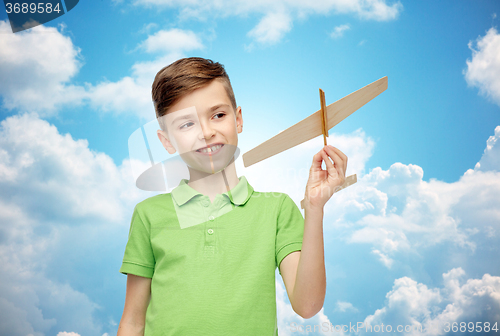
{"x": 311, "y": 126}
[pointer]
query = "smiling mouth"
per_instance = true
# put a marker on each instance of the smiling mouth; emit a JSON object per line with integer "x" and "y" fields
{"x": 210, "y": 149}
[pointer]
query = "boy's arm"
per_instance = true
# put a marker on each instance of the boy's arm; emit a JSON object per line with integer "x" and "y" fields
{"x": 136, "y": 303}
{"x": 303, "y": 271}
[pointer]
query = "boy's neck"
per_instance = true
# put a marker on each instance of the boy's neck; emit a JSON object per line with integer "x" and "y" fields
{"x": 213, "y": 184}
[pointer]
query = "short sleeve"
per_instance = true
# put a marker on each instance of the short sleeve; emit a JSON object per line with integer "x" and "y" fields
{"x": 139, "y": 258}
{"x": 290, "y": 229}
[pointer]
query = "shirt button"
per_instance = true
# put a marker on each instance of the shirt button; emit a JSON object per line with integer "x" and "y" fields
{"x": 210, "y": 231}
{"x": 205, "y": 203}
{"x": 211, "y": 218}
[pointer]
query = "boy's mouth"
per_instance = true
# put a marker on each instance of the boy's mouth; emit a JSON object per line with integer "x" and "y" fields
{"x": 210, "y": 149}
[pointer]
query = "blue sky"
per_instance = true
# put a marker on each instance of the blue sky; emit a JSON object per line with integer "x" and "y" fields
{"x": 414, "y": 242}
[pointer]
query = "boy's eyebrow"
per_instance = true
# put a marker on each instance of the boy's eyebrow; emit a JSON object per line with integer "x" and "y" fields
{"x": 185, "y": 116}
{"x": 216, "y": 107}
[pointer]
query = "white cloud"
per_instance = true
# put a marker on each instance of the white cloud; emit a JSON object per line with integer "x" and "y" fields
{"x": 56, "y": 174}
{"x": 147, "y": 27}
{"x": 490, "y": 161}
{"x": 30, "y": 303}
{"x": 278, "y": 15}
{"x": 378, "y": 10}
{"x": 173, "y": 40}
{"x": 132, "y": 94}
{"x": 483, "y": 70}
{"x": 36, "y": 67}
{"x": 412, "y": 303}
{"x": 40, "y": 63}
{"x": 338, "y": 31}
{"x": 14, "y": 320}
{"x": 383, "y": 258}
{"x": 124, "y": 96}
{"x": 343, "y": 306}
{"x": 64, "y": 333}
{"x": 397, "y": 213}
{"x": 271, "y": 28}
{"x": 57, "y": 195}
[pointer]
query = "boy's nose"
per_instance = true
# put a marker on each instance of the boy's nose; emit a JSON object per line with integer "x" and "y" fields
{"x": 207, "y": 132}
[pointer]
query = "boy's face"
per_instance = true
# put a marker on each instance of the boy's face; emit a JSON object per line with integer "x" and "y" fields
{"x": 203, "y": 128}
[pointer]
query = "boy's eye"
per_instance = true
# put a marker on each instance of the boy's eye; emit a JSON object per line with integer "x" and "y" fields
{"x": 220, "y": 115}
{"x": 186, "y": 125}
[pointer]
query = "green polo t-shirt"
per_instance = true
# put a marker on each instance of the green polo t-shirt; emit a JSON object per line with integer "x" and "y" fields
{"x": 217, "y": 276}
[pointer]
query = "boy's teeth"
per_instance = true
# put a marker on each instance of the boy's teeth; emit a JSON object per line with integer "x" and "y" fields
{"x": 210, "y": 149}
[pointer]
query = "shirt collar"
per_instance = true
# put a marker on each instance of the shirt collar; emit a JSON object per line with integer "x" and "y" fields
{"x": 239, "y": 195}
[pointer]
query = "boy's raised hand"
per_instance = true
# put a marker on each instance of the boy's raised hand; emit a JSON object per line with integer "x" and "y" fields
{"x": 322, "y": 184}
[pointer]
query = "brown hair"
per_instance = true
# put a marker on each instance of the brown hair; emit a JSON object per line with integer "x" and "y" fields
{"x": 183, "y": 77}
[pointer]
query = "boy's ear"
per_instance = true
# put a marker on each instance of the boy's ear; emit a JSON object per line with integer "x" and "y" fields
{"x": 165, "y": 142}
{"x": 239, "y": 120}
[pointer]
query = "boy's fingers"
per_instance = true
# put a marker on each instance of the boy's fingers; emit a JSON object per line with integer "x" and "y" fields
{"x": 328, "y": 154}
{"x": 329, "y": 165}
{"x": 339, "y": 163}
{"x": 343, "y": 156}
{"x": 336, "y": 173}
{"x": 340, "y": 154}
{"x": 316, "y": 163}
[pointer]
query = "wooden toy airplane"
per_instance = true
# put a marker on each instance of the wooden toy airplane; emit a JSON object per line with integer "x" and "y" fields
{"x": 316, "y": 124}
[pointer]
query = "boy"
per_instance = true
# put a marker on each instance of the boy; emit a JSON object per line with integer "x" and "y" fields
{"x": 215, "y": 275}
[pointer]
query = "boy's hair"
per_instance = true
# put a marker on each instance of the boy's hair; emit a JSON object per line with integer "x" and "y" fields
{"x": 183, "y": 77}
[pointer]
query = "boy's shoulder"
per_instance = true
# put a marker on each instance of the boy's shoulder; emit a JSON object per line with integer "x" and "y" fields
{"x": 269, "y": 197}
{"x": 268, "y": 194}
{"x": 160, "y": 199}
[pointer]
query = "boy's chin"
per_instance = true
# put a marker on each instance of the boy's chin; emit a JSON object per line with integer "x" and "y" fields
{"x": 203, "y": 171}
